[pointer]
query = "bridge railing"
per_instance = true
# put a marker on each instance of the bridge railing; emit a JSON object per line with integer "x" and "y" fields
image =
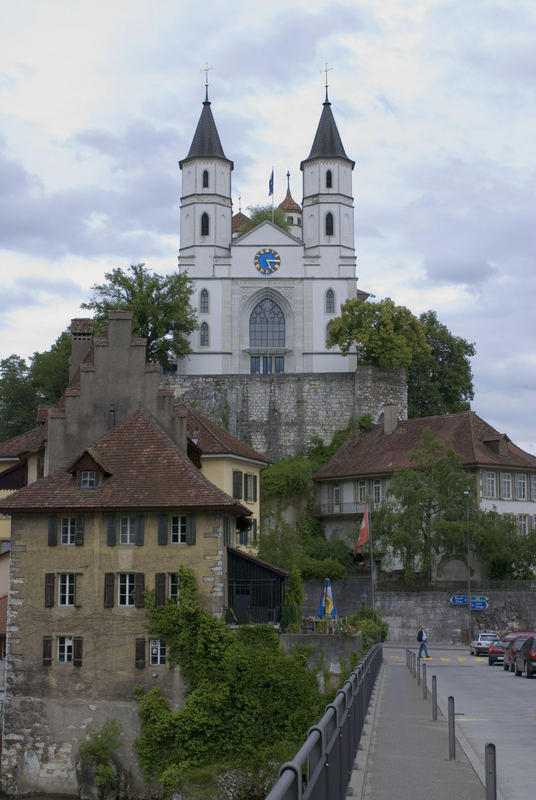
{"x": 322, "y": 767}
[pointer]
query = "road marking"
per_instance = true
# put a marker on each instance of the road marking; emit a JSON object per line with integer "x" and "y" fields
{"x": 444, "y": 659}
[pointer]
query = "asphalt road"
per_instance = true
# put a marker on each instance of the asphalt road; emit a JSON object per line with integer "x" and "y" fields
{"x": 491, "y": 705}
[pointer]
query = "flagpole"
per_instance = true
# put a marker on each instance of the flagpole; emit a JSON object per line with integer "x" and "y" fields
{"x": 372, "y": 603}
{"x": 272, "y": 197}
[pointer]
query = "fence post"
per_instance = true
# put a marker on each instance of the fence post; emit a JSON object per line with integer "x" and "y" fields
{"x": 452, "y": 733}
{"x": 491, "y": 772}
{"x": 434, "y": 698}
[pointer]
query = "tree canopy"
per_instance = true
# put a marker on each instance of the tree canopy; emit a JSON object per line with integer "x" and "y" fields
{"x": 258, "y": 214}
{"x": 385, "y": 335}
{"x": 160, "y": 305}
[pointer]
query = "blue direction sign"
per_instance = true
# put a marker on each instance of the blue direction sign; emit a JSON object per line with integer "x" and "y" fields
{"x": 459, "y": 600}
{"x": 478, "y": 605}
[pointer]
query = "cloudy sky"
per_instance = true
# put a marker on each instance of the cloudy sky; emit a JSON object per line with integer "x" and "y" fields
{"x": 434, "y": 100}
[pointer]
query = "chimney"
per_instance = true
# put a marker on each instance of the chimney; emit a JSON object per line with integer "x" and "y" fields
{"x": 81, "y": 339}
{"x": 180, "y": 426}
{"x": 390, "y": 419}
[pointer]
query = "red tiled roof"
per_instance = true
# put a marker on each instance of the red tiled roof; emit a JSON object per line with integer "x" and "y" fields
{"x": 148, "y": 471}
{"x": 30, "y": 442}
{"x": 375, "y": 453}
{"x": 237, "y": 222}
{"x": 289, "y": 204}
{"x": 213, "y": 440}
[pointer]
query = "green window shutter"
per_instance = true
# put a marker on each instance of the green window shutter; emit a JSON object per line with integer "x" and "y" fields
{"x": 47, "y": 651}
{"x": 139, "y": 588}
{"x": 79, "y": 531}
{"x": 109, "y": 588}
{"x": 140, "y": 529}
{"x": 49, "y": 589}
{"x": 52, "y": 530}
{"x": 77, "y": 651}
{"x": 140, "y": 652}
{"x": 190, "y": 529}
{"x": 254, "y": 488}
{"x": 160, "y": 589}
{"x": 237, "y": 485}
{"x": 162, "y": 529}
{"x": 111, "y": 531}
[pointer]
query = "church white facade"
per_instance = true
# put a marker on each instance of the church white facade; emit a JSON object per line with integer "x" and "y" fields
{"x": 265, "y": 299}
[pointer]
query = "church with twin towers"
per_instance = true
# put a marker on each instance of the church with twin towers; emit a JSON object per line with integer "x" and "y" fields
{"x": 264, "y": 299}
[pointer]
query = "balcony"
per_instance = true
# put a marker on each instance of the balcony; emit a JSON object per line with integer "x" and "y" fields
{"x": 336, "y": 509}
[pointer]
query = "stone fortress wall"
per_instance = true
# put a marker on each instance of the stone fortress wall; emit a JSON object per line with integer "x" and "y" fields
{"x": 278, "y": 415}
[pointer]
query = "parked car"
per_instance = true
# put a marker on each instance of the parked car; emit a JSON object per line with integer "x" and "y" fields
{"x": 495, "y": 652}
{"x": 481, "y": 643}
{"x": 511, "y": 650}
{"x": 526, "y": 658}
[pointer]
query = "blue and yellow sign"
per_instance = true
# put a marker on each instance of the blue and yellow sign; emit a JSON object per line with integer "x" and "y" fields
{"x": 267, "y": 261}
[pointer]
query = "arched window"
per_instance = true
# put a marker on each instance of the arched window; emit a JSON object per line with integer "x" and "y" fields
{"x": 329, "y": 224}
{"x": 267, "y": 325}
{"x": 204, "y": 224}
{"x": 330, "y": 302}
{"x": 329, "y": 183}
{"x": 203, "y": 301}
{"x": 328, "y": 326}
{"x": 205, "y": 179}
{"x": 203, "y": 334}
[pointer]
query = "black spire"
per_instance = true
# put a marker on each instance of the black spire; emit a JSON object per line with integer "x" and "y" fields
{"x": 206, "y": 142}
{"x": 327, "y": 142}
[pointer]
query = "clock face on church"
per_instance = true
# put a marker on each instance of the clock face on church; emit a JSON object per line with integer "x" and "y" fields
{"x": 267, "y": 261}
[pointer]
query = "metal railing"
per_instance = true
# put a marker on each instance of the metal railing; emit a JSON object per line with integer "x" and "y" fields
{"x": 321, "y": 509}
{"x": 322, "y": 767}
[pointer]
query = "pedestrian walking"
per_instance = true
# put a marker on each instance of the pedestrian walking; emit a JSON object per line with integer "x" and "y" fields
{"x": 422, "y": 639}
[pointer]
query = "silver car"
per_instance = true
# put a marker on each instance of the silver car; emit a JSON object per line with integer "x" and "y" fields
{"x": 482, "y": 642}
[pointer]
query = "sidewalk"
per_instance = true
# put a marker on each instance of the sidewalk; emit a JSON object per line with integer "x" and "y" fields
{"x": 405, "y": 754}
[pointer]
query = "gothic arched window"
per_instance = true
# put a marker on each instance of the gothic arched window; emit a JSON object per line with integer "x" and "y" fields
{"x": 204, "y": 224}
{"x": 329, "y": 224}
{"x": 205, "y": 179}
{"x": 329, "y": 182}
{"x": 330, "y": 302}
{"x": 267, "y": 325}
{"x": 203, "y": 301}
{"x": 203, "y": 334}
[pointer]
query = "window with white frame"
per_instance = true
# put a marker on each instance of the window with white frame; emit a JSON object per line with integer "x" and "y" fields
{"x": 533, "y": 487}
{"x": 361, "y": 496}
{"x": 66, "y": 589}
{"x": 178, "y": 530}
{"x": 68, "y": 528}
{"x": 521, "y": 486}
{"x": 336, "y": 494}
{"x": 127, "y": 530}
{"x": 88, "y": 479}
{"x": 173, "y": 585}
{"x": 523, "y": 524}
{"x": 506, "y": 485}
{"x": 126, "y": 589}
{"x": 489, "y": 484}
{"x": 377, "y": 490}
{"x": 250, "y": 487}
{"x": 158, "y": 652}
{"x": 65, "y": 648}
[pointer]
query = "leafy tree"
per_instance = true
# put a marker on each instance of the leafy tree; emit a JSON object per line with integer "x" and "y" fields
{"x": 49, "y": 370}
{"x": 425, "y": 512}
{"x": 18, "y": 398}
{"x": 441, "y": 383}
{"x": 258, "y": 214}
{"x": 160, "y": 304}
{"x": 384, "y": 335}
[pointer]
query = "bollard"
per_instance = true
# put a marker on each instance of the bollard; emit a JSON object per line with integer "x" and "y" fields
{"x": 424, "y": 686}
{"x": 414, "y": 665}
{"x": 434, "y": 698}
{"x": 452, "y": 732}
{"x": 491, "y": 772}
{"x": 418, "y": 672}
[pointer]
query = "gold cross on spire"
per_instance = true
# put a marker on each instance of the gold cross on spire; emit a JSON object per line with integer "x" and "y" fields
{"x": 206, "y": 69}
{"x": 326, "y": 69}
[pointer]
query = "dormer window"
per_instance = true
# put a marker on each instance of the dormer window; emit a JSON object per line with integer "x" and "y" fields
{"x": 88, "y": 479}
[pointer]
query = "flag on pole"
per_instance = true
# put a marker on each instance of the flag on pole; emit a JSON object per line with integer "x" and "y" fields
{"x": 364, "y": 532}
{"x": 271, "y": 184}
{"x": 327, "y": 606}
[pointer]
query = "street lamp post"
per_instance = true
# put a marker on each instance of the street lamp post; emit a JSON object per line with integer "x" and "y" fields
{"x": 470, "y": 620}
